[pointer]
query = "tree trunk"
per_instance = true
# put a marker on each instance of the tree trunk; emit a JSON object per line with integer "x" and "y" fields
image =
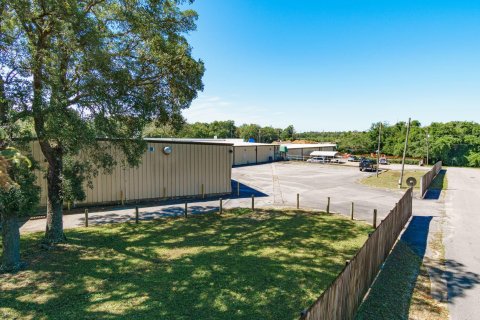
{"x": 10, "y": 243}
{"x": 54, "y": 232}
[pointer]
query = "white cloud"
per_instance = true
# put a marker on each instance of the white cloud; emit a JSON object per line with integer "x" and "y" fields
{"x": 210, "y": 108}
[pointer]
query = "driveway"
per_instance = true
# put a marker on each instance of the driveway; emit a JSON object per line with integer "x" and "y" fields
{"x": 273, "y": 184}
{"x": 462, "y": 243}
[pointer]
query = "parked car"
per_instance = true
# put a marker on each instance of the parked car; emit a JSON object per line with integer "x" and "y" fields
{"x": 352, "y": 159}
{"x": 367, "y": 165}
{"x": 383, "y": 161}
{"x": 318, "y": 160}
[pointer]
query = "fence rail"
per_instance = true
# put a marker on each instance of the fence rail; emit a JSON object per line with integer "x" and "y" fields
{"x": 342, "y": 298}
{"x": 427, "y": 179}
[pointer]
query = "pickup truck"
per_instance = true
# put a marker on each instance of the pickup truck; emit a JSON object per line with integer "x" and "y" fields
{"x": 367, "y": 165}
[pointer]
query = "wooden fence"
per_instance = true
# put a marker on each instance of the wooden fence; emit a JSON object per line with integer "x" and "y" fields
{"x": 341, "y": 299}
{"x": 427, "y": 179}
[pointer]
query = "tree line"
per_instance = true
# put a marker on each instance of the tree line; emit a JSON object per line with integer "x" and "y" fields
{"x": 456, "y": 143}
{"x": 221, "y": 130}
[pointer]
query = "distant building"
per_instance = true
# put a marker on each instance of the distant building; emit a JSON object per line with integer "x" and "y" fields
{"x": 303, "y": 151}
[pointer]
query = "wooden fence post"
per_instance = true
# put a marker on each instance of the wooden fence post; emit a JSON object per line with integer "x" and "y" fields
{"x": 164, "y": 192}
{"x": 121, "y": 197}
{"x": 136, "y": 214}
{"x": 86, "y": 218}
{"x": 374, "y": 218}
{"x": 253, "y": 202}
{"x": 238, "y": 188}
{"x": 186, "y": 210}
{"x": 328, "y": 205}
{"x": 298, "y": 200}
{"x": 203, "y": 191}
{"x": 352, "y": 210}
{"x": 221, "y": 206}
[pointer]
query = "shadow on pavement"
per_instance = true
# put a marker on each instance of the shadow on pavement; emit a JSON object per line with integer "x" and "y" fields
{"x": 108, "y": 218}
{"x": 392, "y": 292}
{"x": 436, "y": 187}
{"x": 245, "y": 191}
{"x": 458, "y": 279}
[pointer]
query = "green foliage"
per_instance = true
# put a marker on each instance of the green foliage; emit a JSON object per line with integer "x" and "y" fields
{"x": 455, "y": 143}
{"x": 288, "y": 133}
{"x": 473, "y": 159}
{"x": 249, "y": 131}
{"x": 153, "y": 130}
{"x": 74, "y": 175}
{"x": 81, "y": 70}
{"x": 21, "y": 197}
{"x": 223, "y": 129}
{"x": 18, "y": 193}
{"x": 269, "y": 134}
{"x": 235, "y": 266}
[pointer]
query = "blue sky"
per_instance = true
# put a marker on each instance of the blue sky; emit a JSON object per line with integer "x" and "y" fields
{"x": 337, "y": 65}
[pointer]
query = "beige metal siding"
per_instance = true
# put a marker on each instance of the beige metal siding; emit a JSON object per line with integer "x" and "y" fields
{"x": 327, "y": 149}
{"x": 307, "y": 151}
{"x": 295, "y": 152}
{"x": 265, "y": 153}
{"x": 245, "y": 155}
{"x": 181, "y": 173}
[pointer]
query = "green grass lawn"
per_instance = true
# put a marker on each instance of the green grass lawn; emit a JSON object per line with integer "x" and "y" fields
{"x": 389, "y": 179}
{"x": 440, "y": 182}
{"x": 267, "y": 265}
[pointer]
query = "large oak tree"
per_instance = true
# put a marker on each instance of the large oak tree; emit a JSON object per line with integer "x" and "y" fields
{"x": 88, "y": 69}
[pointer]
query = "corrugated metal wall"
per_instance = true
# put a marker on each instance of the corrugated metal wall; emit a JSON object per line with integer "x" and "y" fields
{"x": 180, "y": 174}
{"x": 306, "y": 151}
{"x": 253, "y": 154}
{"x": 265, "y": 154}
{"x": 244, "y": 155}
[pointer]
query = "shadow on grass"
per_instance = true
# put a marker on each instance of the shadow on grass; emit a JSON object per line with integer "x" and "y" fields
{"x": 237, "y": 266}
{"x": 391, "y": 294}
{"x": 436, "y": 187}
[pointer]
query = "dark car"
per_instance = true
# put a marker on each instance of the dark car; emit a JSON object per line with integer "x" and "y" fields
{"x": 367, "y": 165}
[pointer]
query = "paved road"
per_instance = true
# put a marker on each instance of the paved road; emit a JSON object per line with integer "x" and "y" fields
{"x": 274, "y": 185}
{"x": 462, "y": 243}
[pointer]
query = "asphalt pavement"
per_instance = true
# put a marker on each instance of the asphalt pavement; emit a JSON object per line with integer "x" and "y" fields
{"x": 274, "y": 185}
{"x": 277, "y": 185}
{"x": 462, "y": 243}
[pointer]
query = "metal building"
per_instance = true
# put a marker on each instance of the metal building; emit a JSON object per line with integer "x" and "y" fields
{"x": 245, "y": 153}
{"x": 254, "y": 153}
{"x": 170, "y": 168}
{"x": 303, "y": 151}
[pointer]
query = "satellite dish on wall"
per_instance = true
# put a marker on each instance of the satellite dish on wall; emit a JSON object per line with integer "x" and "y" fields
{"x": 411, "y": 182}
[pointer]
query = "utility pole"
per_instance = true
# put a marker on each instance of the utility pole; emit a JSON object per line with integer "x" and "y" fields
{"x": 378, "y": 148}
{"x": 428, "y": 136}
{"x": 404, "y": 154}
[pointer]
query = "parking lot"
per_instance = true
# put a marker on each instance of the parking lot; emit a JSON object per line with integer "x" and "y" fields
{"x": 273, "y": 184}
{"x": 281, "y": 181}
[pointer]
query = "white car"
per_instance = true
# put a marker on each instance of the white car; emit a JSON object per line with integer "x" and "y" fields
{"x": 383, "y": 161}
{"x": 318, "y": 160}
